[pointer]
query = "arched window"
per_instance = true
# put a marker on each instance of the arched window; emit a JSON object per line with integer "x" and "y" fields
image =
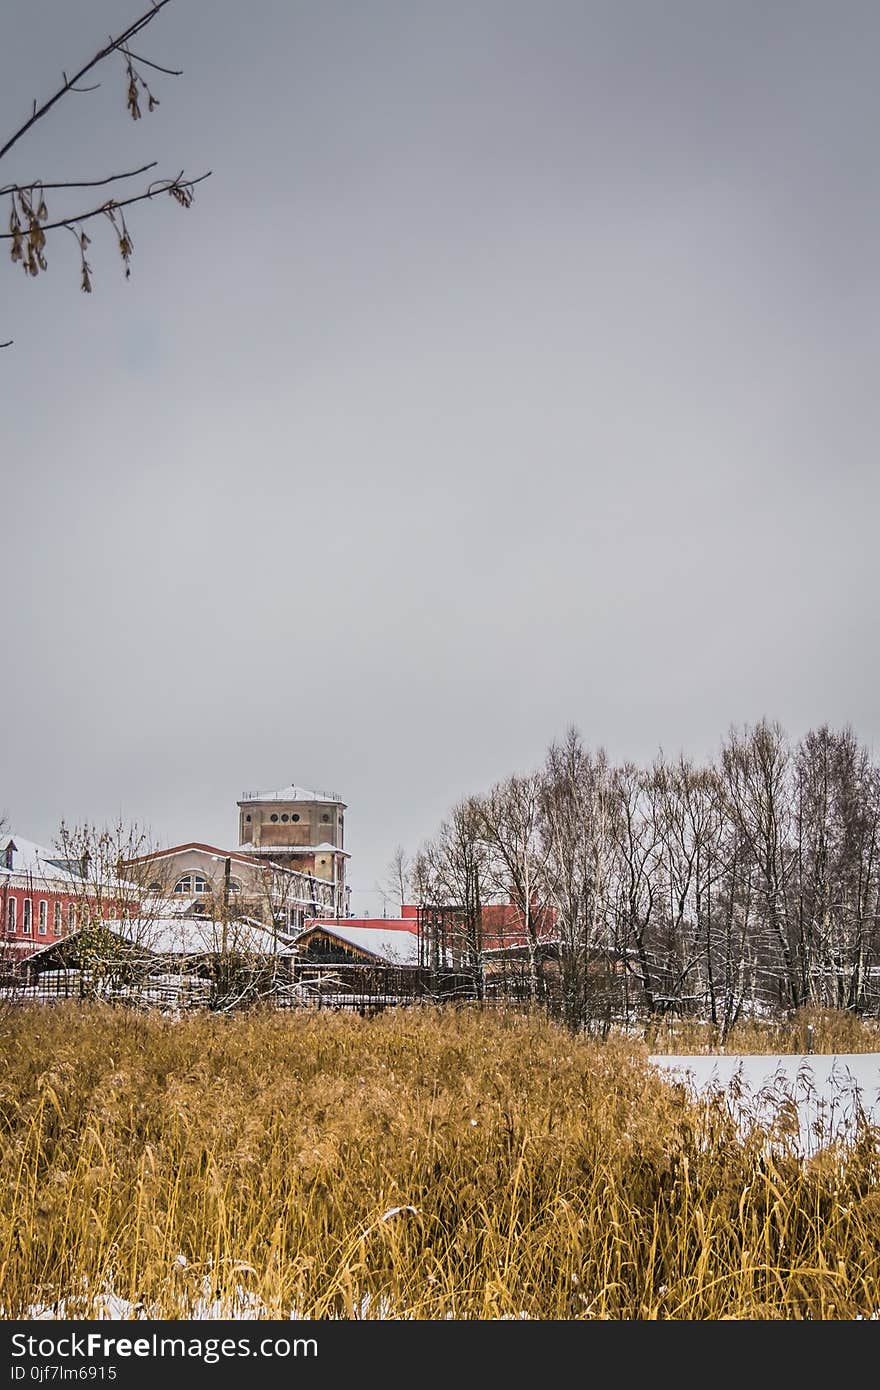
{"x": 56, "y": 919}
{"x": 234, "y": 885}
{"x": 10, "y": 916}
{"x": 192, "y": 885}
{"x": 26, "y": 917}
{"x": 71, "y": 917}
{"x": 43, "y": 919}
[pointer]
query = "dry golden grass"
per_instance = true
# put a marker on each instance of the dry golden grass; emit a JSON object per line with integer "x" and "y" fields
{"x": 811, "y": 1029}
{"x": 256, "y": 1156}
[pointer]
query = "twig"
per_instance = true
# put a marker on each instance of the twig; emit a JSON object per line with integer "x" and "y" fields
{"x": 167, "y": 186}
{"x": 172, "y": 72}
{"x": 75, "y": 183}
{"x": 114, "y": 44}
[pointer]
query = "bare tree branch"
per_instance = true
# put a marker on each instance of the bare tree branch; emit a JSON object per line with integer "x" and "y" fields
{"x": 29, "y": 216}
{"x": 172, "y": 72}
{"x": 178, "y": 188}
{"x": 74, "y": 183}
{"x": 114, "y": 45}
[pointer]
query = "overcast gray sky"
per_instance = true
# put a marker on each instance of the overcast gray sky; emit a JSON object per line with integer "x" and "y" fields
{"x": 516, "y": 367}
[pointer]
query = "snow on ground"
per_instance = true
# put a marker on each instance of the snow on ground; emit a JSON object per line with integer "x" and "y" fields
{"x": 829, "y": 1091}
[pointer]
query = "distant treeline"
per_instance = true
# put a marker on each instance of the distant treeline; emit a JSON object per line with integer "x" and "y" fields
{"x": 745, "y": 885}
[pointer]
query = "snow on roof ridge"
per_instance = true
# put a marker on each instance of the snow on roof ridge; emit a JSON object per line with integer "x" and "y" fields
{"x": 395, "y": 946}
{"x": 32, "y": 858}
{"x": 292, "y": 792}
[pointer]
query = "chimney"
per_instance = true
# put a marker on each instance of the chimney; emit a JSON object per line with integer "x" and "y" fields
{"x": 84, "y": 861}
{"x": 8, "y": 853}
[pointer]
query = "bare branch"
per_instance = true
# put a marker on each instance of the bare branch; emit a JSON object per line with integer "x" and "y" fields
{"x": 75, "y": 183}
{"x": 175, "y": 187}
{"x": 172, "y": 72}
{"x": 114, "y": 45}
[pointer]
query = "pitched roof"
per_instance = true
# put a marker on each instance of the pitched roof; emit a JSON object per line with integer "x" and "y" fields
{"x": 176, "y": 935}
{"x": 47, "y": 864}
{"x": 214, "y": 850}
{"x": 373, "y": 924}
{"x": 390, "y": 947}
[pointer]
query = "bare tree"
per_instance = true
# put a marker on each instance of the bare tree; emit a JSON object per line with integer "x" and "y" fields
{"x": 748, "y": 884}
{"x": 577, "y": 806}
{"x": 755, "y": 766}
{"x": 397, "y": 877}
{"x": 836, "y": 820}
{"x": 30, "y": 219}
{"x": 117, "y": 910}
{"x": 510, "y": 820}
{"x": 690, "y": 821}
{"x": 451, "y": 876}
{"x": 639, "y": 852}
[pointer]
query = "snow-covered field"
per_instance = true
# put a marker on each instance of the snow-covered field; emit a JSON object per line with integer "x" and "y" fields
{"x": 828, "y": 1092}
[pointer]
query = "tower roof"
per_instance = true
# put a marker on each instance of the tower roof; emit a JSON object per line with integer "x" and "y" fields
{"x": 293, "y": 792}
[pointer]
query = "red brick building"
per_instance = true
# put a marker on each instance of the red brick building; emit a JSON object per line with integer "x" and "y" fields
{"x": 42, "y": 897}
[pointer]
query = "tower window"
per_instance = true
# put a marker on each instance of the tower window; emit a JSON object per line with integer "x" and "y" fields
{"x": 284, "y": 818}
{"x": 273, "y": 817}
{"x": 294, "y": 817}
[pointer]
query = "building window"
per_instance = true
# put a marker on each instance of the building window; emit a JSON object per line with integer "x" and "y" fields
{"x": 273, "y": 817}
{"x": 248, "y": 819}
{"x": 113, "y": 914}
{"x": 325, "y": 819}
{"x": 27, "y": 918}
{"x": 192, "y": 884}
{"x": 56, "y": 919}
{"x": 71, "y": 917}
{"x": 284, "y": 818}
{"x": 294, "y": 817}
{"x": 43, "y": 920}
{"x": 234, "y": 885}
{"x": 11, "y": 916}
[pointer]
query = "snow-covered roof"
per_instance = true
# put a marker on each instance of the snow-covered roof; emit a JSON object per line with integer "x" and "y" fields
{"x": 214, "y": 851}
{"x": 176, "y": 935}
{"x": 394, "y": 947}
{"x": 46, "y": 864}
{"x": 192, "y": 936}
{"x": 31, "y": 858}
{"x": 294, "y": 792}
